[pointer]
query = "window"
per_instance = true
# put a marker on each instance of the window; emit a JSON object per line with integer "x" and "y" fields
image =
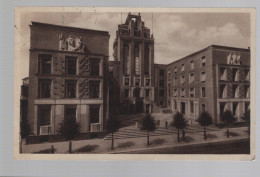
{"x": 70, "y": 111}
{"x": 44, "y": 88}
{"x": 161, "y": 72}
{"x": 161, "y": 93}
{"x": 247, "y": 73}
{"x": 203, "y": 61}
{"x": 94, "y": 89}
{"x": 223, "y": 74}
{"x": 44, "y": 114}
{"x": 94, "y": 67}
{"x": 182, "y": 67}
{"x": 191, "y": 78}
{"x": 24, "y": 91}
{"x": 191, "y": 107}
{"x": 203, "y": 92}
{"x": 182, "y": 79}
{"x": 182, "y": 92}
{"x": 127, "y": 81}
{"x": 235, "y": 109}
{"x": 175, "y": 93}
{"x": 169, "y": 93}
{"x": 176, "y": 81}
{"x": 203, "y": 76}
{"x": 44, "y": 64}
{"x": 223, "y": 91}
{"x": 161, "y": 103}
{"x": 71, "y": 65}
{"x": 147, "y": 82}
{"x": 203, "y": 107}
{"x": 147, "y": 93}
{"x": 94, "y": 113}
{"x": 175, "y": 69}
{"x": 70, "y": 89}
{"x": 137, "y": 81}
{"x": 247, "y": 91}
{"x": 235, "y": 74}
{"x": 175, "y": 104}
{"x": 192, "y": 93}
{"x": 191, "y": 64}
{"x": 161, "y": 83}
{"x": 137, "y": 92}
{"x": 127, "y": 92}
{"x": 235, "y": 91}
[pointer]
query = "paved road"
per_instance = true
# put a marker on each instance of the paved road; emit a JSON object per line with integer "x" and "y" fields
{"x": 231, "y": 147}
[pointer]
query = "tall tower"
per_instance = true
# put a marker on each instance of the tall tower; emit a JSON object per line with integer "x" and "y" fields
{"x": 134, "y": 65}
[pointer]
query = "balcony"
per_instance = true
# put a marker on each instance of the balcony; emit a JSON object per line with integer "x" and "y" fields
{"x": 95, "y": 127}
{"x": 45, "y": 130}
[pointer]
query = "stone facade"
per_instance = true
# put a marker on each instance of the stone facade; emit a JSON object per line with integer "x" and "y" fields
{"x": 134, "y": 65}
{"x": 66, "y": 78}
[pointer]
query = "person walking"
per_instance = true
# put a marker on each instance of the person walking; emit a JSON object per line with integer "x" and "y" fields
{"x": 166, "y": 124}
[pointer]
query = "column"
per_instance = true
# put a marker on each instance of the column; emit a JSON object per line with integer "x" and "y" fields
{"x": 35, "y": 130}
{"x": 101, "y": 117}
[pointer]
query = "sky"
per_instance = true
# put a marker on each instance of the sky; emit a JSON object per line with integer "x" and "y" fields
{"x": 176, "y": 34}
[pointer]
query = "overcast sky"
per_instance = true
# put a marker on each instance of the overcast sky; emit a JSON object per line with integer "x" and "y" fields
{"x": 176, "y": 34}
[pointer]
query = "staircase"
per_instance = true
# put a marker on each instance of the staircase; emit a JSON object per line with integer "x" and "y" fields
{"x": 130, "y": 119}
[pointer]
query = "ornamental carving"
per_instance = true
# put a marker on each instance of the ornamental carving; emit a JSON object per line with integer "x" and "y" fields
{"x": 234, "y": 59}
{"x": 71, "y": 44}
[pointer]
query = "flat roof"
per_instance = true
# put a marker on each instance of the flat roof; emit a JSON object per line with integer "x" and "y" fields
{"x": 83, "y": 30}
{"x": 211, "y": 47}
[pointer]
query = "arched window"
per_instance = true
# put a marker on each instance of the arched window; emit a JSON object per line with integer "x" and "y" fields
{"x": 137, "y": 92}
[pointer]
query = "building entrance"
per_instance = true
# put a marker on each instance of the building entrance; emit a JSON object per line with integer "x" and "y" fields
{"x": 183, "y": 107}
{"x": 139, "y": 107}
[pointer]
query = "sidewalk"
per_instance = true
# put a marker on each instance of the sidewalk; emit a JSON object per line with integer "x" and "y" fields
{"x": 103, "y": 146}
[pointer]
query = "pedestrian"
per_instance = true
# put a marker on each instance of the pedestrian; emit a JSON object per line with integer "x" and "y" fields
{"x": 52, "y": 149}
{"x": 136, "y": 125}
{"x": 166, "y": 124}
{"x": 158, "y": 122}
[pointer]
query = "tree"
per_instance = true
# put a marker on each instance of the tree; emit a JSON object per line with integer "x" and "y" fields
{"x": 179, "y": 122}
{"x": 228, "y": 118}
{"x": 246, "y": 118}
{"x": 205, "y": 120}
{"x": 148, "y": 124}
{"x": 113, "y": 125}
{"x": 69, "y": 128}
{"x": 25, "y": 130}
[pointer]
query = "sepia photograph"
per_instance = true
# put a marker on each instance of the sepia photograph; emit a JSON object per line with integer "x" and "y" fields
{"x": 97, "y": 83}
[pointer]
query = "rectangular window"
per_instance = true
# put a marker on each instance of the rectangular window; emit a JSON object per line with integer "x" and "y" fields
{"x": 235, "y": 74}
{"x": 44, "y": 114}
{"x": 223, "y": 91}
{"x": 161, "y": 83}
{"x": 203, "y": 92}
{"x": 247, "y": 91}
{"x": 127, "y": 81}
{"x": 94, "y": 89}
{"x": 175, "y": 93}
{"x": 147, "y": 93}
{"x": 191, "y": 107}
{"x": 192, "y": 94}
{"x": 203, "y": 76}
{"x": 44, "y": 88}
{"x": 175, "y": 104}
{"x": 182, "y": 67}
{"x": 203, "y": 61}
{"x": 247, "y": 74}
{"x": 191, "y": 78}
{"x": 94, "y": 113}
{"x": 169, "y": 93}
{"x": 235, "y": 91}
{"x": 191, "y": 64}
{"x": 70, "y": 89}
{"x": 162, "y": 72}
{"x": 147, "y": 82}
{"x": 161, "y": 93}
{"x": 137, "y": 81}
{"x": 44, "y": 64}
{"x": 70, "y": 112}
{"x": 127, "y": 92}
{"x": 175, "y": 69}
{"x": 176, "y": 81}
{"x": 182, "y": 92}
{"x": 182, "y": 79}
{"x": 71, "y": 65}
{"x": 161, "y": 103}
{"x": 94, "y": 67}
{"x": 223, "y": 74}
{"x": 235, "y": 109}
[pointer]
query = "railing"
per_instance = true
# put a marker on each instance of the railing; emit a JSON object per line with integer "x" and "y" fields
{"x": 45, "y": 130}
{"x": 95, "y": 127}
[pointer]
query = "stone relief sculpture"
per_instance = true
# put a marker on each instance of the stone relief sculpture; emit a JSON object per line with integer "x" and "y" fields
{"x": 234, "y": 59}
{"x": 62, "y": 44}
{"x": 71, "y": 44}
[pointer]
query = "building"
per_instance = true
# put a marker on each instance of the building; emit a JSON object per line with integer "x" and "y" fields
{"x": 213, "y": 79}
{"x": 134, "y": 65}
{"x": 160, "y": 87}
{"x": 67, "y": 78}
{"x": 24, "y": 101}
